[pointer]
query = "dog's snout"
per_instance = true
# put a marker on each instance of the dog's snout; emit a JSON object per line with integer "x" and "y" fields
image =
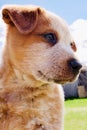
{"x": 74, "y": 65}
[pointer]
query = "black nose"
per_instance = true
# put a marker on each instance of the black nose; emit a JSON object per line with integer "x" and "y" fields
{"x": 74, "y": 65}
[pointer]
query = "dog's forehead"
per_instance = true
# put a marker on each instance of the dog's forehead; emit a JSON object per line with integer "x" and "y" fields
{"x": 59, "y": 25}
{"x": 56, "y": 20}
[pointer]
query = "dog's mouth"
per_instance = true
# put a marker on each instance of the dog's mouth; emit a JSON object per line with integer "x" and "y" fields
{"x": 46, "y": 79}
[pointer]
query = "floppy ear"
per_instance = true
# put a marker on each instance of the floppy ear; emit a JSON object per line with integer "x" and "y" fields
{"x": 25, "y": 20}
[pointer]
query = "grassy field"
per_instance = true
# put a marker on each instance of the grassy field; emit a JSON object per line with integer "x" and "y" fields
{"x": 76, "y": 114}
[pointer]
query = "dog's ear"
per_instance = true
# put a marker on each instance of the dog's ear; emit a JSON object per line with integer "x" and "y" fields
{"x": 24, "y": 19}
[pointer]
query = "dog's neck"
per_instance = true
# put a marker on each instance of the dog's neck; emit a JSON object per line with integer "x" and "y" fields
{"x": 10, "y": 75}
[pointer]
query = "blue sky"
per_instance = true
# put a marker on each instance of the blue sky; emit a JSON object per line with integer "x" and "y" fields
{"x": 70, "y": 10}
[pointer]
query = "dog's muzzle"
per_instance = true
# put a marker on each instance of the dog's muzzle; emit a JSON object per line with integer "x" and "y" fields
{"x": 74, "y": 65}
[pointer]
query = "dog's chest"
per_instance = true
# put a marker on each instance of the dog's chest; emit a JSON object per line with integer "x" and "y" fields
{"x": 30, "y": 105}
{"x": 28, "y": 98}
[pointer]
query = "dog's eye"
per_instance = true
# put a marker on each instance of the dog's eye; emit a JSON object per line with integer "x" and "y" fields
{"x": 51, "y": 38}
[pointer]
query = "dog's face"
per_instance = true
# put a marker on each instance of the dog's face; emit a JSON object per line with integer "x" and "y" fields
{"x": 40, "y": 45}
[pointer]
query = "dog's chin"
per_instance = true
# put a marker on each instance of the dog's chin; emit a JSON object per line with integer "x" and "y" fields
{"x": 42, "y": 77}
{"x": 65, "y": 81}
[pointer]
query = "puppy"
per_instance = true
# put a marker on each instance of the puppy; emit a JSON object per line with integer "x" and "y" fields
{"x": 38, "y": 54}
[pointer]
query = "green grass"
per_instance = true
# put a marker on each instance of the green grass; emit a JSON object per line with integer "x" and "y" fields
{"x": 76, "y": 114}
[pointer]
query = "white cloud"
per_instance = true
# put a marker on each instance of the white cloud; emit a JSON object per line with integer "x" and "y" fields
{"x": 2, "y": 30}
{"x": 2, "y": 34}
{"x": 79, "y": 32}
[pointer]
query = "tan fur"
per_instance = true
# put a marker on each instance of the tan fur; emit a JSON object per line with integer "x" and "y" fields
{"x": 30, "y": 99}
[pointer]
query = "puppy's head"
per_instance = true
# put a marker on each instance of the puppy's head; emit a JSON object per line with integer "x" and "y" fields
{"x": 40, "y": 45}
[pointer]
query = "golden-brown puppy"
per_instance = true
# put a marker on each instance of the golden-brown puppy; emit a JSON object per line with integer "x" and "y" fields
{"x": 38, "y": 53}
